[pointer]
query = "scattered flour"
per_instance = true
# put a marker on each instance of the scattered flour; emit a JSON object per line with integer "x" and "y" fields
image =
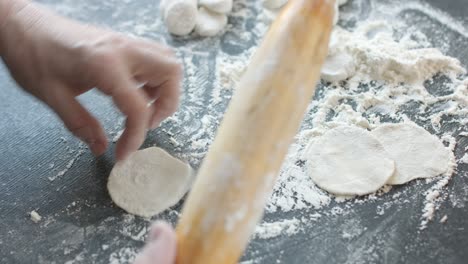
{"x": 69, "y": 165}
{"x": 464, "y": 159}
{"x": 284, "y": 227}
{"x": 124, "y": 255}
{"x": 388, "y": 74}
{"x": 382, "y": 87}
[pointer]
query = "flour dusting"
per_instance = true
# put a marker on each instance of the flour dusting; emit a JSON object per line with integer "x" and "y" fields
{"x": 402, "y": 69}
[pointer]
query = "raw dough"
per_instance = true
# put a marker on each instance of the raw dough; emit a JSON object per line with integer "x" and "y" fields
{"x": 179, "y": 16}
{"x": 218, "y": 6}
{"x": 210, "y": 23}
{"x": 417, "y": 153}
{"x": 348, "y": 161}
{"x": 274, "y": 4}
{"x": 149, "y": 182}
{"x": 35, "y": 217}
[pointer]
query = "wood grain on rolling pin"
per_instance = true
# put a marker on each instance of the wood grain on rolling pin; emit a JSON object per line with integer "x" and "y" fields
{"x": 238, "y": 174}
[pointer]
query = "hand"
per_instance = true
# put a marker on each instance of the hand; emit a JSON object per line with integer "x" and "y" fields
{"x": 56, "y": 59}
{"x": 160, "y": 247}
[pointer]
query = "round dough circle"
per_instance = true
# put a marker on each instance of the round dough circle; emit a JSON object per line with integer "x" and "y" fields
{"x": 180, "y": 16}
{"x": 149, "y": 182}
{"x": 417, "y": 153}
{"x": 348, "y": 161}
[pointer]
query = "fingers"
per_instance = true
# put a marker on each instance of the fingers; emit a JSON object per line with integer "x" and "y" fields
{"x": 162, "y": 74}
{"x": 133, "y": 104}
{"x": 78, "y": 120}
{"x": 167, "y": 102}
{"x": 146, "y": 63}
{"x": 161, "y": 246}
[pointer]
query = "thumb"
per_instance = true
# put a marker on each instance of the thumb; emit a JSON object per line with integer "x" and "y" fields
{"x": 161, "y": 246}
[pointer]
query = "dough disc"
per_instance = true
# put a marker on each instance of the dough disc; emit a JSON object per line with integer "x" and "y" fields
{"x": 417, "y": 153}
{"x": 149, "y": 182}
{"x": 348, "y": 161}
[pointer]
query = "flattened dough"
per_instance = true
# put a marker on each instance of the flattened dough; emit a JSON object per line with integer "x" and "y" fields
{"x": 348, "y": 161}
{"x": 417, "y": 153}
{"x": 149, "y": 182}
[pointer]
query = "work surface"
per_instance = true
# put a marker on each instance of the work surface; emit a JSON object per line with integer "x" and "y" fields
{"x": 44, "y": 168}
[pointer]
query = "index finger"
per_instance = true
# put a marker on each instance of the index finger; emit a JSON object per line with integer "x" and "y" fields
{"x": 132, "y": 102}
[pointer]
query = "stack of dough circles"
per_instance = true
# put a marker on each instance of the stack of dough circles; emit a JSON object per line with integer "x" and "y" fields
{"x": 149, "y": 182}
{"x": 348, "y": 161}
{"x": 210, "y": 23}
{"x": 212, "y": 17}
{"x": 353, "y": 161}
{"x": 207, "y": 17}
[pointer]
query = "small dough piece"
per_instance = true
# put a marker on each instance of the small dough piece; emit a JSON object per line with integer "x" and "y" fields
{"x": 274, "y": 4}
{"x": 180, "y": 16}
{"x": 338, "y": 67}
{"x": 149, "y": 182}
{"x": 416, "y": 152}
{"x": 210, "y": 23}
{"x": 348, "y": 161}
{"x": 35, "y": 217}
{"x": 218, "y": 6}
{"x": 336, "y": 16}
{"x": 342, "y": 2}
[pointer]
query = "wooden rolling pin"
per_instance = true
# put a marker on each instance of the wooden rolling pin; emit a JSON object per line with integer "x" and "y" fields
{"x": 238, "y": 174}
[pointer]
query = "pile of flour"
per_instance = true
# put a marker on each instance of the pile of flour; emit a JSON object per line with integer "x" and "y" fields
{"x": 379, "y": 73}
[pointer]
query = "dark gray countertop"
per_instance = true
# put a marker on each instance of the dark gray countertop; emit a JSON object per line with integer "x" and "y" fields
{"x": 80, "y": 223}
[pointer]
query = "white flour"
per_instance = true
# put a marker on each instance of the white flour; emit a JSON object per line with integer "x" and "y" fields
{"x": 387, "y": 49}
{"x": 389, "y": 72}
{"x": 284, "y": 227}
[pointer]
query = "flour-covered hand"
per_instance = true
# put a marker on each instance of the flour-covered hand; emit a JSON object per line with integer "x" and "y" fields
{"x": 56, "y": 59}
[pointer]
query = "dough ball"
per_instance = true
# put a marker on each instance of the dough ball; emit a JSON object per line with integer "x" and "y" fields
{"x": 342, "y": 2}
{"x": 149, "y": 182}
{"x": 417, "y": 153}
{"x": 180, "y": 16}
{"x": 348, "y": 161}
{"x": 336, "y": 16}
{"x": 274, "y": 4}
{"x": 210, "y": 23}
{"x": 218, "y": 6}
{"x": 338, "y": 67}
